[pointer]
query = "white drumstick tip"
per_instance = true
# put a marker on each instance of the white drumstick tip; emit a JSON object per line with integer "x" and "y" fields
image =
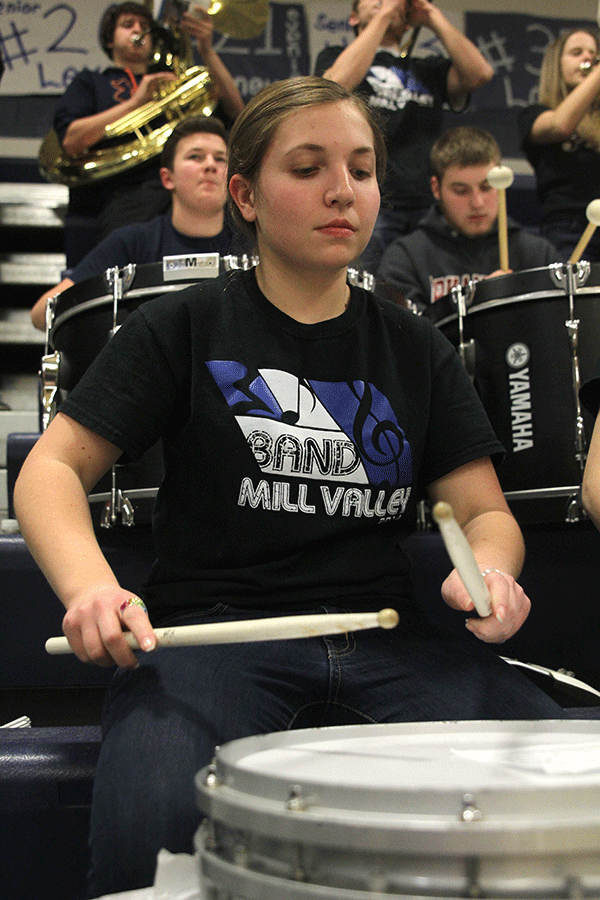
{"x": 461, "y": 554}
{"x": 387, "y": 618}
{"x": 500, "y": 177}
{"x": 442, "y": 510}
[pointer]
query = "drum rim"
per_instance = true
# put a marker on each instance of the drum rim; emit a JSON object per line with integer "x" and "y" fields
{"x": 107, "y": 300}
{"x": 551, "y": 291}
{"x": 562, "y": 490}
{"x": 154, "y": 282}
{"x": 147, "y": 493}
{"x": 491, "y": 304}
{"x": 256, "y": 801}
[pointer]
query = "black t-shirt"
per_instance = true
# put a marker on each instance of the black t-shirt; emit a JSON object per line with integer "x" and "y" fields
{"x": 567, "y": 173}
{"x": 148, "y": 242}
{"x": 408, "y": 96}
{"x": 294, "y": 454}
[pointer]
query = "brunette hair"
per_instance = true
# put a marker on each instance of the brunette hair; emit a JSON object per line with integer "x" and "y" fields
{"x": 190, "y": 125}
{"x": 465, "y": 145}
{"x": 108, "y": 23}
{"x": 255, "y": 128}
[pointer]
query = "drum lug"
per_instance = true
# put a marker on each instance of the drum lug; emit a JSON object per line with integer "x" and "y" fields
{"x": 49, "y": 317}
{"x": 472, "y": 872}
{"x": 127, "y": 512}
{"x": 211, "y": 779}
{"x": 575, "y": 509}
{"x": 468, "y": 354}
{"x": 564, "y": 277}
{"x": 297, "y": 800}
{"x": 470, "y": 811}
{"x": 118, "y": 282}
{"x": 207, "y": 835}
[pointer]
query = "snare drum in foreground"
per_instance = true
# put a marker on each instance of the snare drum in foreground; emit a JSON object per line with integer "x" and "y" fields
{"x": 529, "y": 339}
{"x": 471, "y": 809}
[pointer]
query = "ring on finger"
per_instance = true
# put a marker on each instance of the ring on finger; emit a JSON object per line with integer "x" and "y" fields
{"x": 132, "y": 601}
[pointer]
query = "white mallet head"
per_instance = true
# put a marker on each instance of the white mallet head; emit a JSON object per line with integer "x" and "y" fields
{"x": 592, "y": 212}
{"x": 500, "y": 177}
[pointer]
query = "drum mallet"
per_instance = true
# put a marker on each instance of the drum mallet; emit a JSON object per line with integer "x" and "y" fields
{"x": 459, "y": 551}
{"x": 592, "y": 212}
{"x": 501, "y": 177}
{"x": 278, "y": 628}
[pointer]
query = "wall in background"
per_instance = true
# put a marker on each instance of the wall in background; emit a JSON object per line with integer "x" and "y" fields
{"x": 44, "y": 43}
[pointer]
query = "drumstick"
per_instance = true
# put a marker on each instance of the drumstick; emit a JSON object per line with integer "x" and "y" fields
{"x": 276, "y": 629}
{"x": 593, "y": 216}
{"x": 501, "y": 177}
{"x": 459, "y": 551}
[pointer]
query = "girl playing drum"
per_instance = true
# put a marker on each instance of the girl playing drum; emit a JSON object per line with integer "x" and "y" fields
{"x": 302, "y": 419}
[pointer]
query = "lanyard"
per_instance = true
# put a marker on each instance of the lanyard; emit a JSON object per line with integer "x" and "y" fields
{"x": 131, "y": 76}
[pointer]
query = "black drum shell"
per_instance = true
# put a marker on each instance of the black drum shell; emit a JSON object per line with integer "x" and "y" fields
{"x": 83, "y": 323}
{"x": 528, "y": 308}
{"x": 83, "y": 318}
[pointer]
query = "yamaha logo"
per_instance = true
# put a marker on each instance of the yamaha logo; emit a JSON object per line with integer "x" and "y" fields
{"x": 517, "y": 356}
{"x": 521, "y": 419}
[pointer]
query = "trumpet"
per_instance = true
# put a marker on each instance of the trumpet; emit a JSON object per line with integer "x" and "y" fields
{"x": 588, "y": 65}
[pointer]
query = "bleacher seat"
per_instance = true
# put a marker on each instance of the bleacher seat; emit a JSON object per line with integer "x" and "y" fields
{"x": 46, "y": 779}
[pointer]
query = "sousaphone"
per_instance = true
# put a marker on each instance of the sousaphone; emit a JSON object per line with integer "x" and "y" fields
{"x": 147, "y": 128}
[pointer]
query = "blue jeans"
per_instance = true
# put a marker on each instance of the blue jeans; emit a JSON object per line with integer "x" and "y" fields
{"x": 164, "y": 719}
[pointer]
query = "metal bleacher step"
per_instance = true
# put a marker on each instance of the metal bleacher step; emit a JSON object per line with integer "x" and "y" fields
{"x": 16, "y": 328}
{"x": 33, "y": 205}
{"x": 32, "y": 268}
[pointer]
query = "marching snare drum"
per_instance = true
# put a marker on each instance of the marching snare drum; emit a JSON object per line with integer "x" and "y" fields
{"x": 470, "y": 809}
{"x": 529, "y": 339}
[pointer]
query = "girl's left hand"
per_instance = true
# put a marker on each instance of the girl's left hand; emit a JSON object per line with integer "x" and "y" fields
{"x": 510, "y": 606}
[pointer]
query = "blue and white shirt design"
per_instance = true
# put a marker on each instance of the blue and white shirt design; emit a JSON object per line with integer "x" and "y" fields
{"x": 393, "y": 88}
{"x": 323, "y": 431}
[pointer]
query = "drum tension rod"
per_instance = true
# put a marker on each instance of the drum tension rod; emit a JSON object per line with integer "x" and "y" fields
{"x": 462, "y": 298}
{"x": 571, "y": 277}
{"x": 118, "y": 282}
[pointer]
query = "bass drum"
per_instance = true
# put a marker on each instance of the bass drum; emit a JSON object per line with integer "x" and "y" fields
{"x": 414, "y": 810}
{"x": 84, "y": 318}
{"x": 524, "y": 361}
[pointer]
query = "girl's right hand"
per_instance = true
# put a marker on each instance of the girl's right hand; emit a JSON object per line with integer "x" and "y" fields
{"x": 94, "y": 625}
